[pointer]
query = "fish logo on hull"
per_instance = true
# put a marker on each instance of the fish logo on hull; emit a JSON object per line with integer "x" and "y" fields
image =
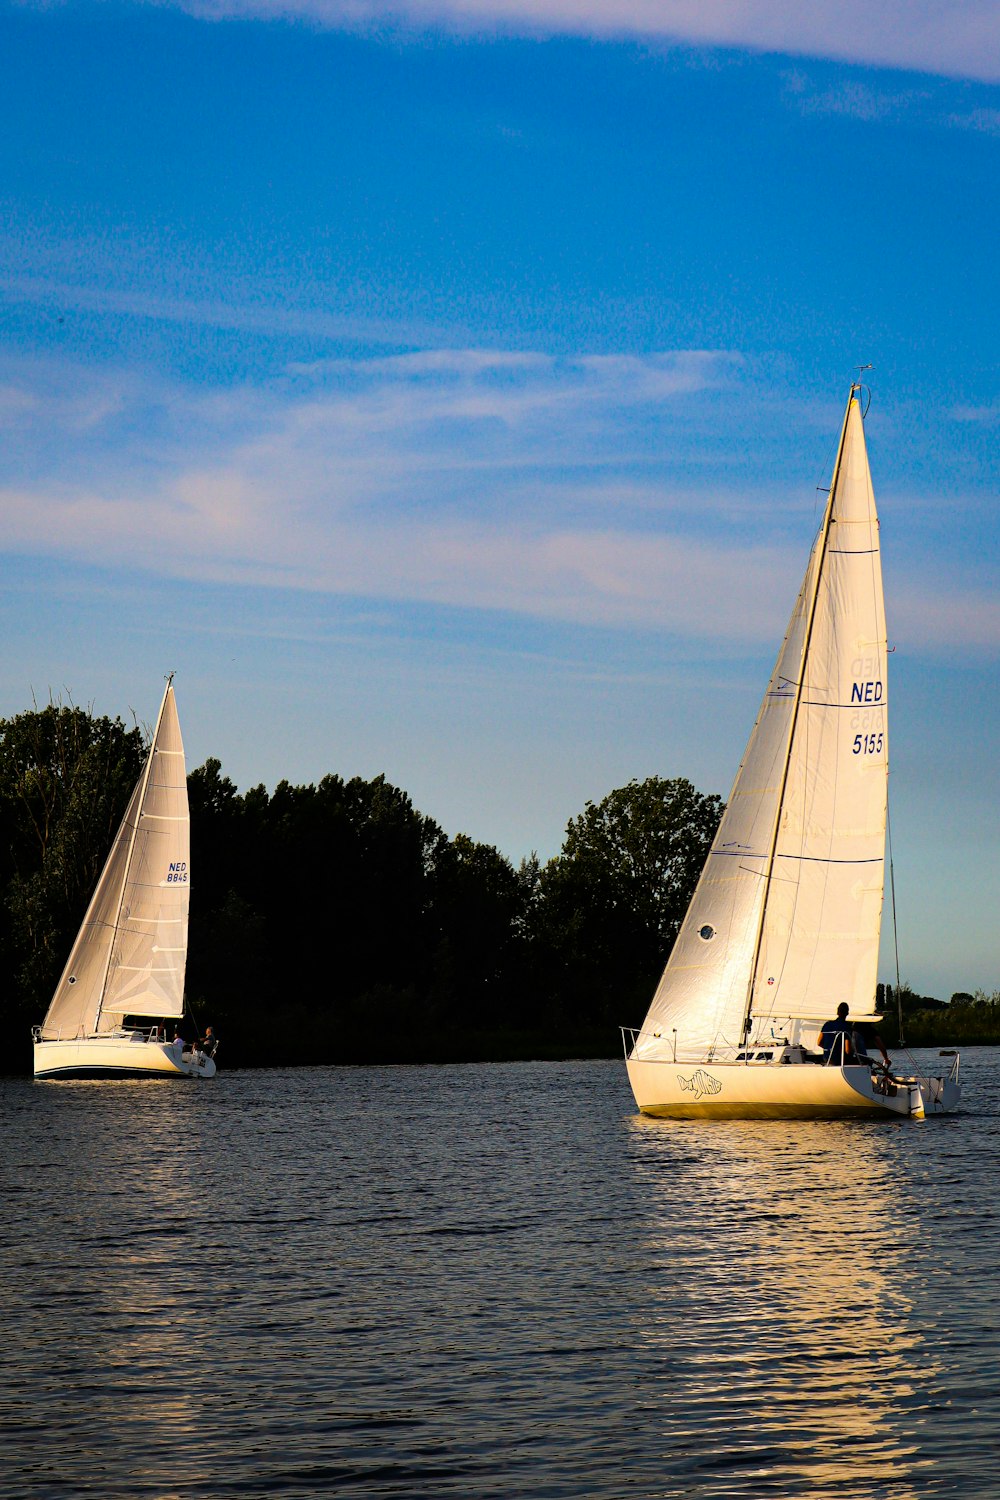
{"x": 700, "y": 1084}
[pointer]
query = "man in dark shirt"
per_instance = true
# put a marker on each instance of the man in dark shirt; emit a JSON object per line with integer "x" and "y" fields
{"x": 835, "y": 1037}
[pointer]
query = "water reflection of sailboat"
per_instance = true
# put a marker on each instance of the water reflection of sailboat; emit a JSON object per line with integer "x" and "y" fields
{"x": 779, "y": 1303}
{"x": 131, "y": 1324}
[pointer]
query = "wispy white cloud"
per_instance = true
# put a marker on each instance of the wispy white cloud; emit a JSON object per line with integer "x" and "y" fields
{"x": 438, "y": 476}
{"x": 473, "y": 479}
{"x": 987, "y": 121}
{"x": 934, "y": 610}
{"x": 63, "y": 296}
{"x": 850, "y": 97}
{"x": 59, "y": 403}
{"x": 983, "y": 416}
{"x": 218, "y": 529}
{"x": 956, "y": 40}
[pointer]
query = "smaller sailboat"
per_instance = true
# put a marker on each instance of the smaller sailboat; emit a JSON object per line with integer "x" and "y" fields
{"x": 783, "y": 929}
{"x": 128, "y": 962}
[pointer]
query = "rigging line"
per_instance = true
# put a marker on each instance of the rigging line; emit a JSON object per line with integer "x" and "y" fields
{"x": 188, "y": 1008}
{"x": 895, "y": 929}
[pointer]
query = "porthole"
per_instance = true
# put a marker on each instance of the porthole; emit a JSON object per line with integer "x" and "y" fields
{"x": 706, "y": 933}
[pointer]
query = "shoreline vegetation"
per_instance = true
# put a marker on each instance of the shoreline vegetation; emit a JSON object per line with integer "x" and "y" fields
{"x": 334, "y": 923}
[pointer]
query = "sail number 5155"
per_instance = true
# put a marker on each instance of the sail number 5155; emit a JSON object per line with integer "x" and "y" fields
{"x": 868, "y": 744}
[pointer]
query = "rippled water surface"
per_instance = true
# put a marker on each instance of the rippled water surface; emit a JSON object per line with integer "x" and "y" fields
{"x": 491, "y": 1280}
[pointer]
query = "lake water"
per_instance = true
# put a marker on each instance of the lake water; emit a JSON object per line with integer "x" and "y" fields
{"x": 493, "y": 1280}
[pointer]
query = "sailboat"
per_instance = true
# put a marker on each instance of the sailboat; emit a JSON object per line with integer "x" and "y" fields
{"x": 785, "y": 921}
{"x": 129, "y": 958}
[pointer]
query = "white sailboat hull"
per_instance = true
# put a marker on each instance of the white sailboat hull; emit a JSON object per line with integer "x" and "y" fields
{"x": 118, "y": 1056}
{"x": 675, "y": 1090}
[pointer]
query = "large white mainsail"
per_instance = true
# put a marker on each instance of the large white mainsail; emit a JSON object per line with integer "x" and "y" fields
{"x": 785, "y": 920}
{"x": 130, "y": 955}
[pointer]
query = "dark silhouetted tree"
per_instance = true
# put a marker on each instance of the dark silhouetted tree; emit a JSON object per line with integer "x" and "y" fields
{"x": 65, "y": 781}
{"x": 610, "y": 904}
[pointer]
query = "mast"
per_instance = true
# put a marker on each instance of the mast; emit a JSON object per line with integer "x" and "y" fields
{"x": 147, "y": 772}
{"x": 821, "y": 556}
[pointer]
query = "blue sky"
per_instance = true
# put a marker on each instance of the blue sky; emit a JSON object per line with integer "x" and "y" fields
{"x": 443, "y": 390}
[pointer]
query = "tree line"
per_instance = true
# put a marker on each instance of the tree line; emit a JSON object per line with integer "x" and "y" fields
{"x": 337, "y": 923}
{"x": 966, "y": 1020}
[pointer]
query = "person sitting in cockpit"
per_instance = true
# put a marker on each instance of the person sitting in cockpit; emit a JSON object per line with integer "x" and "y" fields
{"x": 836, "y": 1038}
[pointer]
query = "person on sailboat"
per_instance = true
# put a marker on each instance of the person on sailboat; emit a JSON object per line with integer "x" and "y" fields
{"x": 209, "y": 1042}
{"x": 836, "y": 1037}
{"x": 860, "y": 1046}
